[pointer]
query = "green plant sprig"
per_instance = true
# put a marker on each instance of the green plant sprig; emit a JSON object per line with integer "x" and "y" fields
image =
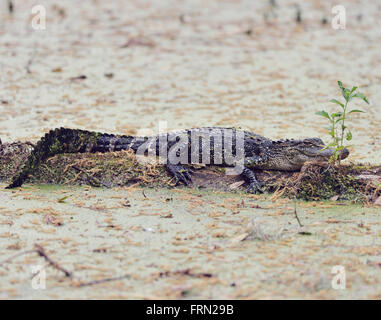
{"x": 337, "y": 128}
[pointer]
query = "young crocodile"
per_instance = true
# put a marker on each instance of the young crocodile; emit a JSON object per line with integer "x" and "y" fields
{"x": 210, "y": 145}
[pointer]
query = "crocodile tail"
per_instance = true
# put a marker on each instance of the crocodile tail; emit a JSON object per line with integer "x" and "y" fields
{"x": 110, "y": 143}
{"x": 56, "y": 141}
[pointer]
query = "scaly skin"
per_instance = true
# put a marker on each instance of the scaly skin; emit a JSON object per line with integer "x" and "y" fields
{"x": 221, "y": 146}
{"x": 55, "y": 142}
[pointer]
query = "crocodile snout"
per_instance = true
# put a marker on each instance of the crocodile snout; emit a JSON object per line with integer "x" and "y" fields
{"x": 330, "y": 151}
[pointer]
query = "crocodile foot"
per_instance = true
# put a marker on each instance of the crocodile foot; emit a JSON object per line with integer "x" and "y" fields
{"x": 254, "y": 188}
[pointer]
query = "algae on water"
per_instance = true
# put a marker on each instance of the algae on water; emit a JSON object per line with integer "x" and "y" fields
{"x": 316, "y": 181}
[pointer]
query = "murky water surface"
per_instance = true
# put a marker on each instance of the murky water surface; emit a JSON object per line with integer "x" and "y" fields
{"x": 191, "y": 64}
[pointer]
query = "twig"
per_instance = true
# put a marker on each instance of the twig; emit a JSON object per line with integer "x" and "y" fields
{"x": 10, "y": 6}
{"x": 91, "y": 283}
{"x": 185, "y": 272}
{"x": 296, "y": 214}
{"x": 30, "y": 61}
{"x": 40, "y": 250}
{"x": 15, "y": 256}
{"x": 38, "y": 272}
{"x": 298, "y": 17}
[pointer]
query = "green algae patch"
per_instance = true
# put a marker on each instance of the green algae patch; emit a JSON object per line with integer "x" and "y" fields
{"x": 316, "y": 181}
{"x": 100, "y": 170}
{"x": 322, "y": 181}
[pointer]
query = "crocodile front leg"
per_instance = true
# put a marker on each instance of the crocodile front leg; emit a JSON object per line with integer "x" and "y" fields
{"x": 180, "y": 173}
{"x": 177, "y": 154}
{"x": 249, "y": 176}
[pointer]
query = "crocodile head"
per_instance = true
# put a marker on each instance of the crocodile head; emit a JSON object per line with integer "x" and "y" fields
{"x": 290, "y": 155}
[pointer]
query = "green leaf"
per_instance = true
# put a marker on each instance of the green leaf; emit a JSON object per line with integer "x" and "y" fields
{"x": 346, "y": 94}
{"x": 323, "y": 114}
{"x": 337, "y": 102}
{"x": 336, "y": 114}
{"x": 361, "y": 96}
{"x": 349, "y": 136}
{"x": 356, "y": 110}
{"x": 353, "y": 89}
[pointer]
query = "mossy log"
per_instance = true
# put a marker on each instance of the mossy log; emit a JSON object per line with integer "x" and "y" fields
{"x": 316, "y": 181}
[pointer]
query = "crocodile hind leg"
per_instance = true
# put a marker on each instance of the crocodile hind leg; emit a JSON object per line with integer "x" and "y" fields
{"x": 57, "y": 141}
{"x": 177, "y": 155}
{"x": 180, "y": 173}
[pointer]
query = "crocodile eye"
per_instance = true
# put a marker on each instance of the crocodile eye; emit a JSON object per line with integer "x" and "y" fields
{"x": 293, "y": 152}
{"x": 316, "y": 141}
